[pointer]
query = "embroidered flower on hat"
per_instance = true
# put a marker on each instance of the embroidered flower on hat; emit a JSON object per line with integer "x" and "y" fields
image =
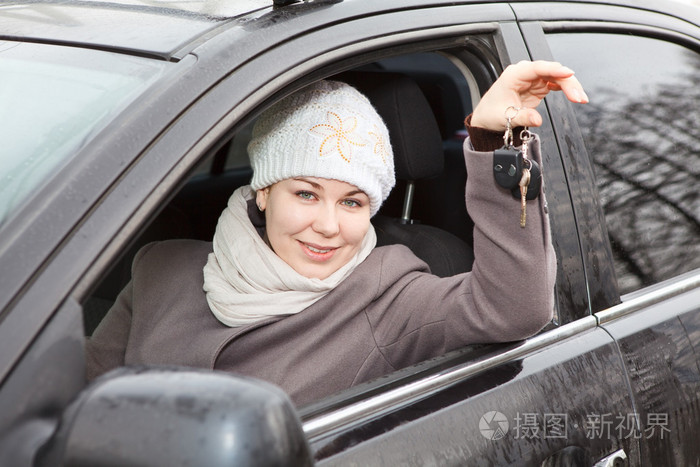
{"x": 379, "y": 143}
{"x": 338, "y": 136}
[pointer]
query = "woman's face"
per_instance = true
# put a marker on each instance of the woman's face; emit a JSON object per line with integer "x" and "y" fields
{"x": 315, "y": 225}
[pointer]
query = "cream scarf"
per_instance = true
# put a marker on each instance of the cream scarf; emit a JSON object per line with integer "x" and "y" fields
{"x": 245, "y": 281}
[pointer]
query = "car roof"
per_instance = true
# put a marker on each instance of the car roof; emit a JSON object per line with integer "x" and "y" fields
{"x": 140, "y": 27}
{"x": 168, "y": 29}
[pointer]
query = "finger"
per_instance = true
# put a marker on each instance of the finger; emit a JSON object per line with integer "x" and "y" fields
{"x": 551, "y": 71}
{"x": 557, "y": 78}
{"x": 524, "y": 85}
{"x": 527, "y": 117}
{"x": 573, "y": 90}
{"x": 541, "y": 77}
{"x": 539, "y": 70}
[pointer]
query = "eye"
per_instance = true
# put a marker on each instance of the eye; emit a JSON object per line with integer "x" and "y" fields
{"x": 351, "y": 203}
{"x": 305, "y": 195}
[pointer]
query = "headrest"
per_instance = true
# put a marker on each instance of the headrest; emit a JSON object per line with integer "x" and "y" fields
{"x": 414, "y": 133}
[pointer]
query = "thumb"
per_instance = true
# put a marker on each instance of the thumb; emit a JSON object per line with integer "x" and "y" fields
{"x": 527, "y": 117}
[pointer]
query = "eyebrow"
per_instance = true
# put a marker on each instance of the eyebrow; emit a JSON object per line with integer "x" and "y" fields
{"x": 319, "y": 187}
{"x": 313, "y": 184}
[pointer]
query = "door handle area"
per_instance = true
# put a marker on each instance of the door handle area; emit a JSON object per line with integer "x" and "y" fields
{"x": 576, "y": 456}
{"x": 616, "y": 459}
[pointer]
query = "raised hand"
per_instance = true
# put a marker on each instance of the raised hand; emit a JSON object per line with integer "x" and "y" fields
{"x": 524, "y": 85}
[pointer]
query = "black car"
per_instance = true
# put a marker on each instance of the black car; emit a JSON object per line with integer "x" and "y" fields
{"x": 126, "y": 121}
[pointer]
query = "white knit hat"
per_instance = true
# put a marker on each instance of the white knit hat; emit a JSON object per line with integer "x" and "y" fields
{"x": 326, "y": 130}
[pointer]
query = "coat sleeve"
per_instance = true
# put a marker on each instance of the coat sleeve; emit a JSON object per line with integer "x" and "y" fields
{"x": 508, "y": 295}
{"x": 106, "y": 348}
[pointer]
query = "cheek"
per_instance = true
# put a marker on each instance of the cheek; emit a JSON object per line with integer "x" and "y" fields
{"x": 284, "y": 220}
{"x": 355, "y": 230}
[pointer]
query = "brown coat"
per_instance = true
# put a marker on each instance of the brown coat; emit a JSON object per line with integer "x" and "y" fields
{"x": 389, "y": 313}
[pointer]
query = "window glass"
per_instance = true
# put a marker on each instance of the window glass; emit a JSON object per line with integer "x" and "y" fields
{"x": 54, "y": 100}
{"x": 641, "y": 130}
{"x": 238, "y": 149}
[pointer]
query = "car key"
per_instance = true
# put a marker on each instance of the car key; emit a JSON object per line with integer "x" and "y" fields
{"x": 524, "y": 182}
{"x": 535, "y": 185}
{"x": 508, "y": 161}
{"x": 507, "y": 167}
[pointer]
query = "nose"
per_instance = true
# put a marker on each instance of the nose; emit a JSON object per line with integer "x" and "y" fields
{"x": 326, "y": 221}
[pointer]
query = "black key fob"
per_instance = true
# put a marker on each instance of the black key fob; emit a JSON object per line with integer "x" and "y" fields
{"x": 507, "y": 167}
{"x": 535, "y": 185}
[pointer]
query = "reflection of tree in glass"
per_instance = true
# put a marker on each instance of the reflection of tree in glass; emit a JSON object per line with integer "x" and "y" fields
{"x": 646, "y": 154}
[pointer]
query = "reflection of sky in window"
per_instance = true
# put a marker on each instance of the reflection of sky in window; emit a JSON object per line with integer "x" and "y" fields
{"x": 659, "y": 64}
{"x": 641, "y": 132}
{"x": 54, "y": 99}
{"x": 689, "y": 2}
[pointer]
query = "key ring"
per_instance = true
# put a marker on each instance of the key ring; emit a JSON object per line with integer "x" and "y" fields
{"x": 508, "y": 135}
{"x": 514, "y": 109}
{"x": 525, "y": 135}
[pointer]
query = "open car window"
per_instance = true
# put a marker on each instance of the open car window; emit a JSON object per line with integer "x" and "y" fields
{"x": 450, "y": 89}
{"x": 195, "y": 209}
{"x": 451, "y": 80}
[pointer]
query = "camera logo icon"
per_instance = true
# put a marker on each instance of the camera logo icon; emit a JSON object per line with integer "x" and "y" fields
{"x": 493, "y": 425}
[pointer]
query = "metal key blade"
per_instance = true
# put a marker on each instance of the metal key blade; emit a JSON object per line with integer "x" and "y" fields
{"x": 524, "y": 182}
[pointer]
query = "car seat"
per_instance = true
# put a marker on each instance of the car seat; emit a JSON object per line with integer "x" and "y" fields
{"x": 418, "y": 155}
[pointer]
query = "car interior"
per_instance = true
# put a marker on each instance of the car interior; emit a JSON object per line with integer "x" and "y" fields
{"x": 423, "y": 98}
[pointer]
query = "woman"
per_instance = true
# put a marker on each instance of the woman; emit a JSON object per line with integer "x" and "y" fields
{"x": 294, "y": 291}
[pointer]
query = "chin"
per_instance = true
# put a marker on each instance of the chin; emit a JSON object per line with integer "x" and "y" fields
{"x": 316, "y": 273}
{"x": 319, "y": 274}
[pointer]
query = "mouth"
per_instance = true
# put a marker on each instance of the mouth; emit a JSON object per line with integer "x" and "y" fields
{"x": 318, "y": 252}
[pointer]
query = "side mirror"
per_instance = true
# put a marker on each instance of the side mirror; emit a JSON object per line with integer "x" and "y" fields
{"x": 176, "y": 417}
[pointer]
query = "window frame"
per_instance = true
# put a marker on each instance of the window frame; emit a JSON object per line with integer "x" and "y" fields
{"x": 509, "y": 48}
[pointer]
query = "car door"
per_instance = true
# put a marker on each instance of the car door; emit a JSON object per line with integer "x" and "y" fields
{"x": 488, "y": 405}
{"x": 519, "y": 403}
{"x": 641, "y": 139}
{"x": 524, "y": 403}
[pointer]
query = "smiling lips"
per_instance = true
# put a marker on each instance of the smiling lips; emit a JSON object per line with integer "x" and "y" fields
{"x": 318, "y": 252}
